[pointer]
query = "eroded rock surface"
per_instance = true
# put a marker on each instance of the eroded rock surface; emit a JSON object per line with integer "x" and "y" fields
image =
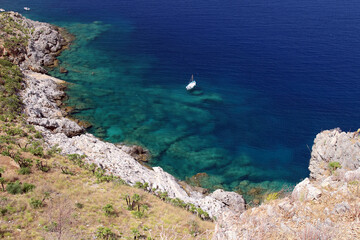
{"x": 43, "y": 43}
{"x": 334, "y": 146}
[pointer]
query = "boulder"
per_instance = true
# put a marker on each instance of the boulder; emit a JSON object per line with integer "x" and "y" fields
{"x": 305, "y": 191}
{"x": 231, "y": 199}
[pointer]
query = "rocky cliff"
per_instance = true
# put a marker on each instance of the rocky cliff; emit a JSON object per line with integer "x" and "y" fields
{"x": 324, "y": 206}
{"x": 29, "y": 44}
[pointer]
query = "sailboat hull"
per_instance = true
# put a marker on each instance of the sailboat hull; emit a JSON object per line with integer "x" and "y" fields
{"x": 191, "y": 85}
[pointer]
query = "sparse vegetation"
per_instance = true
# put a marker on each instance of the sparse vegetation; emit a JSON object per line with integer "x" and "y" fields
{"x": 105, "y": 233}
{"x": 333, "y": 166}
{"x": 272, "y": 196}
{"x": 19, "y": 188}
{"x": 109, "y": 210}
{"x": 15, "y": 36}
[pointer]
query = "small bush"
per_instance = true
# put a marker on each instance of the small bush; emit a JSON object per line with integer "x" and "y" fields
{"x": 109, "y": 210}
{"x": 272, "y": 196}
{"x": 15, "y": 131}
{"x": 77, "y": 159}
{"x": 334, "y": 165}
{"x": 194, "y": 228}
{"x": 41, "y": 166}
{"x": 105, "y": 233}
{"x": 3, "y": 211}
{"x": 27, "y": 187}
{"x": 23, "y": 162}
{"x": 35, "y": 203}
{"x": 53, "y": 150}
{"x": 79, "y": 205}
{"x": 24, "y": 171}
{"x": 135, "y": 233}
{"x": 67, "y": 171}
{"x": 18, "y": 188}
{"x": 52, "y": 227}
{"x": 14, "y": 188}
{"x": 38, "y": 135}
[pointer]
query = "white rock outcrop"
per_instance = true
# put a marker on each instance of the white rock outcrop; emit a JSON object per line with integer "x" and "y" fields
{"x": 44, "y": 43}
{"x": 334, "y": 146}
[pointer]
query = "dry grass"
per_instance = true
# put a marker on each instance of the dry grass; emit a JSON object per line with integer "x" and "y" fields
{"x": 305, "y": 220}
{"x": 75, "y": 207}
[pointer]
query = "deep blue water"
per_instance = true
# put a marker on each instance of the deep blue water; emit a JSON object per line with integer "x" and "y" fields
{"x": 272, "y": 74}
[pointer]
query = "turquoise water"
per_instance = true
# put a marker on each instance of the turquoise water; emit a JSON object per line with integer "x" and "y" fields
{"x": 271, "y": 75}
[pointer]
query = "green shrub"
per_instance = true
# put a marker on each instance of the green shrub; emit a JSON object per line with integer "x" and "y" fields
{"x": 37, "y": 151}
{"x": 109, "y": 210}
{"x": 77, "y": 159}
{"x": 67, "y": 171}
{"x": 178, "y": 202}
{"x": 132, "y": 202}
{"x": 136, "y": 233}
{"x": 272, "y": 196}
{"x": 202, "y": 214}
{"x": 41, "y": 166}
{"x": 140, "y": 211}
{"x": 24, "y": 171}
{"x": 15, "y": 131}
{"x": 334, "y": 165}
{"x": 14, "y": 188}
{"x": 5, "y": 153}
{"x": 52, "y": 227}
{"x": 163, "y": 195}
{"x": 79, "y": 205}
{"x": 194, "y": 228}
{"x": 18, "y": 188}
{"x": 23, "y": 162}
{"x": 27, "y": 187}
{"x": 105, "y": 233}
{"x": 3, "y": 211}
{"x": 55, "y": 149}
{"x": 38, "y": 135}
{"x": 35, "y": 203}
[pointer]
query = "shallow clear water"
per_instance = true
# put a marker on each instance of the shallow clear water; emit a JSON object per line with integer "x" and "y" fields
{"x": 271, "y": 76}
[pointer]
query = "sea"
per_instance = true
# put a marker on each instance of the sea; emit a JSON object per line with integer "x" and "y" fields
{"x": 270, "y": 76}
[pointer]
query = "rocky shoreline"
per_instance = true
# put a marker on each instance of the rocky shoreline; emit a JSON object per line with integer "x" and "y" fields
{"x": 40, "y": 105}
{"x": 324, "y": 206}
{"x": 42, "y": 97}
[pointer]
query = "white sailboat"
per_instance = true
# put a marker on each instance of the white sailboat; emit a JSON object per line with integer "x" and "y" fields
{"x": 26, "y": 8}
{"x": 191, "y": 84}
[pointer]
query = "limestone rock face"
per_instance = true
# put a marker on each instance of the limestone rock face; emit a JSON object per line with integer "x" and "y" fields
{"x": 235, "y": 201}
{"x": 334, "y": 146}
{"x": 44, "y": 43}
{"x": 305, "y": 191}
{"x": 40, "y": 98}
